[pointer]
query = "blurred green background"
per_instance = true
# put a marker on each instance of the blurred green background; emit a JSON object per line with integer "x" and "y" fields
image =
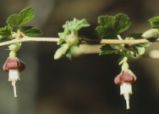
{"x": 83, "y": 85}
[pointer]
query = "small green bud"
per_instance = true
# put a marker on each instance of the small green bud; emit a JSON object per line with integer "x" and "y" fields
{"x": 151, "y": 33}
{"x": 58, "y": 54}
{"x": 61, "y": 51}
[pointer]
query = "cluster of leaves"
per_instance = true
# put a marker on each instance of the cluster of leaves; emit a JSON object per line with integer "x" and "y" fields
{"x": 71, "y": 26}
{"x": 15, "y": 23}
{"x": 68, "y": 40}
{"x": 125, "y": 50}
{"x": 153, "y": 33}
{"x": 110, "y": 27}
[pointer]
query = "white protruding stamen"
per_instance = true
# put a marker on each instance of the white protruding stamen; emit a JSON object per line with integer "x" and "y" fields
{"x": 14, "y": 77}
{"x": 127, "y": 99}
{"x": 126, "y": 91}
{"x": 14, "y": 88}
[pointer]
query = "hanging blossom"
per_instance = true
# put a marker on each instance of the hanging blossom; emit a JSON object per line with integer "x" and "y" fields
{"x": 14, "y": 66}
{"x": 125, "y": 79}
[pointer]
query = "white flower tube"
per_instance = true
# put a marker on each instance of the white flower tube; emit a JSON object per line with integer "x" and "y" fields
{"x": 14, "y": 75}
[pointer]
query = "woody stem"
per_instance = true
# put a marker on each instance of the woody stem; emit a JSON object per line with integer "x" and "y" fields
{"x": 54, "y": 39}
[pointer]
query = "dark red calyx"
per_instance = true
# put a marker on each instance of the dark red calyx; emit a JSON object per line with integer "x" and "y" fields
{"x": 13, "y": 63}
{"x": 124, "y": 76}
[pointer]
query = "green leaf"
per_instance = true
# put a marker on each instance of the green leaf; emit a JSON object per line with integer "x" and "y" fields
{"x": 6, "y": 32}
{"x": 26, "y": 15}
{"x": 30, "y": 31}
{"x": 62, "y": 37}
{"x": 154, "y": 22}
{"x": 14, "y": 20}
{"x": 130, "y": 52}
{"x": 135, "y": 35}
{"x": 122, "y": 22}
{"x": 106, "y": 26}
{"x": 106, "y": 49}
{"x": 111, "y": 26}
{"x": 21, "y": 18}
{"x": 139, "y": 49}
{"x": 143, "y": 45}
{"x": 75, "y": 24}
{"x": 69, "y": 55}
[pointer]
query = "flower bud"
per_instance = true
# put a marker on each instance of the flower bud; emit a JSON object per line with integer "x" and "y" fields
{"x": 61, "y": 51}
{"x": 151, "y": 33}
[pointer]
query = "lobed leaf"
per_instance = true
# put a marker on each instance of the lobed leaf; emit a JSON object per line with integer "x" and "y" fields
{"x": 111, "y": 26}
{"x": 6, "y": 32}
{"x": 154, "y": 22}
{"x": 14, "y": 20}
{"x": 21, "y": 18}
{"x": 75, "y": 25}
{"x": 139, "y": 49}
{"x": 107, "y": 49}
{"x": 135, "y": 35}
{"x": 122, "y": 22}
{"x": 26, "y": 15}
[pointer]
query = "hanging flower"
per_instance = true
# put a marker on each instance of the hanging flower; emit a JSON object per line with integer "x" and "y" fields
{"x": 125, "y": 80}
{"x": 13, "y": 65}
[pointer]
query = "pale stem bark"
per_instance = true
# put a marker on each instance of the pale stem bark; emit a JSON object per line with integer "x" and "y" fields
{"x": 55, "y": 39}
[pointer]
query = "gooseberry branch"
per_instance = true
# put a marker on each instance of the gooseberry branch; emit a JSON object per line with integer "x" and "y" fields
{"x": 72, "y": 45}
{"x": 55, "y": 39}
